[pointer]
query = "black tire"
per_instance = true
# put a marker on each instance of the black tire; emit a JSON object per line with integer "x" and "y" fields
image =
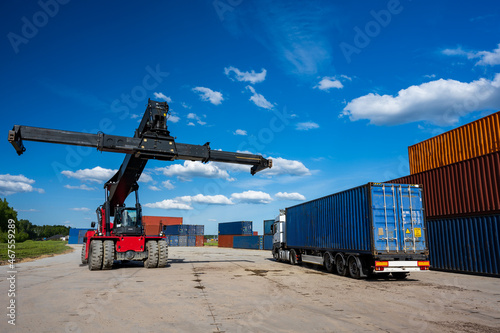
{"x": 354, "y": 269}
{"x": 84, "y": 249}
{"x": 340, "y": 265}
{"x": 276, "y": 254}
{"x": 152, "y": 260}
{"x": 95, "y": 255}
{"x": 399, "y": 275}
{"x": 293, "y": 257}
{"x": 329, "y": 262}
{"x": 108, "y": 254}
{"x": 162, "y": 253}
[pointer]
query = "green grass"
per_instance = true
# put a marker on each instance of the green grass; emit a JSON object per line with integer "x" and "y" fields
{"x": 211, "y": 244}
{"x": 33, "y": 249}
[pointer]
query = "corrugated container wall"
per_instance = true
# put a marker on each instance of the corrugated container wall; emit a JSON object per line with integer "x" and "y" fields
{"x": 173, "y": 240}
{"x": 235, "y": 228}
{"x": 200, "y": 240}
{"x": 466, "y": 188}
{"x": 226, "y": 241}
{"x": 475, "y": 139}
{"x": 183, "y": 240}
{"x": 470, "y": 244}
{"x": 151, "y": 229}
{"x": 164, "y": 220}
{"x": 375, "y": 218}
{"x": 267, "y": 227}
{"x": 268, "y": 242}
{"x": 247, "y": 242}
{"x": 191, "y": 241}
{"x": 76, "y": 235}
{"x": 179, "y": 230}
{"x": 200, "y": 230}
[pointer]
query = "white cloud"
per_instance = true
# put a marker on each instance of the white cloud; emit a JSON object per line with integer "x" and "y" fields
{"x": 240, "y": 132}
{"x": 192, "y": 169}
{"x": 430, "y": 76}
{"x": 162, "y": 96}
{"x": 259, "y": 100}
{"x": 191, "y": 123}
{"x": 251, "y": 77}
{"x": 290, "y": 196}
{"x": 306, "y": 126}
{"x": 169, "y": 204}
{"x": 145, "y": 178}
{"x": 27, "y": 210}
{"x": 81, "y": 209}
{"x": 441, "y": 102}
{"x": 185, "y": 106}
{"x": 97, "y": 174}
{"x": 283, "y": 166}
{"x": 191, "y": 116}
{"x": 168, "y": 185}
{"x": 134, "y": 116}
{"x": 253, "y": 197}
{"x": 209, "y": 95}
{"x": 486, "y": 58}
{"x": 10, "y": 184}
{"x": 154, "y": 188}
{"x": 206, "y": 199}
{"x": 81, "y": 187}
{"x": 197, "y": 118}
{"x": 328, "y": 83}
{"x": 173, "y": 118}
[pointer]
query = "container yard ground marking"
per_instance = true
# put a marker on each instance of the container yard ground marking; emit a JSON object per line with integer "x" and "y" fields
{"x": 205, "y": 296}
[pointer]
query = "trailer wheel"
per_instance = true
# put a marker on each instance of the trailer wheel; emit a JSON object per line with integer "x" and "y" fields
{"x": 340, "y": 264}
{"x": 84, "y": 249}
{"x": 152, "y": 260}
{"x": 276, "y": 254}
{"x": 95, "y": 255}
{"x": 329, "y": 262}
{"x": 293, "y": 257}
{"x": 108, "y": 254}
{"x": 354, "y": 268}
{"x": 162, "y": 253}
{"x": 399, "y": 275}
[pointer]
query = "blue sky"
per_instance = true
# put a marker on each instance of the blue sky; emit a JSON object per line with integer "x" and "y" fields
{"x": 334, "y": 93}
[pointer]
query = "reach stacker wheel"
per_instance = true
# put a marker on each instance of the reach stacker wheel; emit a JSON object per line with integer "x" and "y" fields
{"x": 108, "y": 254}
{"x": 162, "y": 253}
{"x": 84, "y": 249}
{"x": 152, "y": 260}
{"x": 95, "y": 255}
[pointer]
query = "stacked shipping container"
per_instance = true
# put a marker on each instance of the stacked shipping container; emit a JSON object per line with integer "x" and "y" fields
{"x": 154, "y": 224}
{"x": 228, "y": 230}
{"x": 185, "y": 235}
{"x": 460, "y": 173}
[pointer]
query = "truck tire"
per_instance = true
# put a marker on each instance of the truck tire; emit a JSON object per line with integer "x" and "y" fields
{"x": 162, "y": 253}
{"x": 95, "y": 255}
{"x": 293, "y": 257}
{"x": 354, "y": 268}
{"x": 399, "y": 275}
{"x": 152, "y": 260}
{"x": 276, "y": 254}
{"x": 84, "y": 249}
{"x": 108, "y": 254}
{"x": 340, "y": 265}
{"x": 329, "y": 262}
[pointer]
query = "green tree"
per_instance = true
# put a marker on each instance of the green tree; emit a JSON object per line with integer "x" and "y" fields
{"x": 6, "y": 213}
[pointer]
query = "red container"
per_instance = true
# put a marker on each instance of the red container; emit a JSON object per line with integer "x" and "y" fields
{"x": 200, "y": 240}
{"x": 164, "y": 220}
{"x": 151, "y": 229}
{"x": 255, "y": 233}
{"x": 226, "y": 240}
{"x": 467, "y": 188}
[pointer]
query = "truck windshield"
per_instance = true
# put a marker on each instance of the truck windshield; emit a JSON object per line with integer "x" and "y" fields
{"x": 129, "y": 218}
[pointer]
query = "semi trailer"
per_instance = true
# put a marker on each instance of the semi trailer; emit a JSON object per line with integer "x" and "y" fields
{"x": 374, "y": 229}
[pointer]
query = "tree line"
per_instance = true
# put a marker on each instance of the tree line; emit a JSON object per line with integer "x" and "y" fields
{"x": 24, "y": 228}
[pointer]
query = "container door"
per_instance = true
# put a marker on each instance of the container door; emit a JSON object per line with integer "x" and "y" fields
{"x": 411, "y": 216}
{"x": 386, "y": 227}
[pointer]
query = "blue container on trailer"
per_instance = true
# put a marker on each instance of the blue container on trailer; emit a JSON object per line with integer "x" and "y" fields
{"x": 173, "y": 240}
{"x": 374, "y": 218}
{"x": 76, "y": 235}
{"x": 191, "y": 240}
{"x": 267, "y": 227}
{"x": 200, "y": 230}
{"x": 177, "y": 230}
{"x": 235, "y": 228}
{"x": 247, "y": 242}
{"x": 268, "y": 242}
{"x": 183, "y": 241}
{"x": 465, "y": 244}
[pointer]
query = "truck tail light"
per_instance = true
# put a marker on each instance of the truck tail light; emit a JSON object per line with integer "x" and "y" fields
{"x": 423, "y": 264}
{"x": 381, "y": 264}
{"x": 424, "y": 268}
{"x": 379, "y": 268}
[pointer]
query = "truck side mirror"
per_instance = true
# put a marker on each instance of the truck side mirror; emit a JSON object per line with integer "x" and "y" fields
{"x": 92, "y": 225}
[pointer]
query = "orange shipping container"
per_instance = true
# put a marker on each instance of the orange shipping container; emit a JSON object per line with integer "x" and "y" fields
{"x": 164, "y": 220}
{"x": 226, "y": 240}
{"x": 471, "y": 140}
{"x": 151, "y": 229}
{"x": 200, "y": 240}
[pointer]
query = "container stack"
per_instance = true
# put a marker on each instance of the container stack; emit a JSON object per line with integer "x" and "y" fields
{"x": 460, "y": 173}
{"x": 228, "y": 230}
{"x": 185, "y": 235}
{"x": 154, "y": 224}
{"x": 252, "y": 242}
{"x": 268, "y": 235}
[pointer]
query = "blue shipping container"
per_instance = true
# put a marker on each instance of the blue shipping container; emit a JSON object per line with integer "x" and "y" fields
{"x": 467, "y": 244}
{"x": 173, "y": 240}
{"x": 191, "y": 240}
{"x": 76, "y": 235}
{"x": 235, "y": 228}
{"x": 267, "y": 227}
{"x": 200, "y": 230}
{"x": 183, "y": 240}
{"x": 268, "y": 242}
{"x": 177, "y": 230}
{"x": 191, "y": 230}
{"x": 247, "y": 242}
{"x": 374, "y": 218}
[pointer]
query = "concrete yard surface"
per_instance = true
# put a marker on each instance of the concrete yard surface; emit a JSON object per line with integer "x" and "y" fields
{"x": 208, "y": 289}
